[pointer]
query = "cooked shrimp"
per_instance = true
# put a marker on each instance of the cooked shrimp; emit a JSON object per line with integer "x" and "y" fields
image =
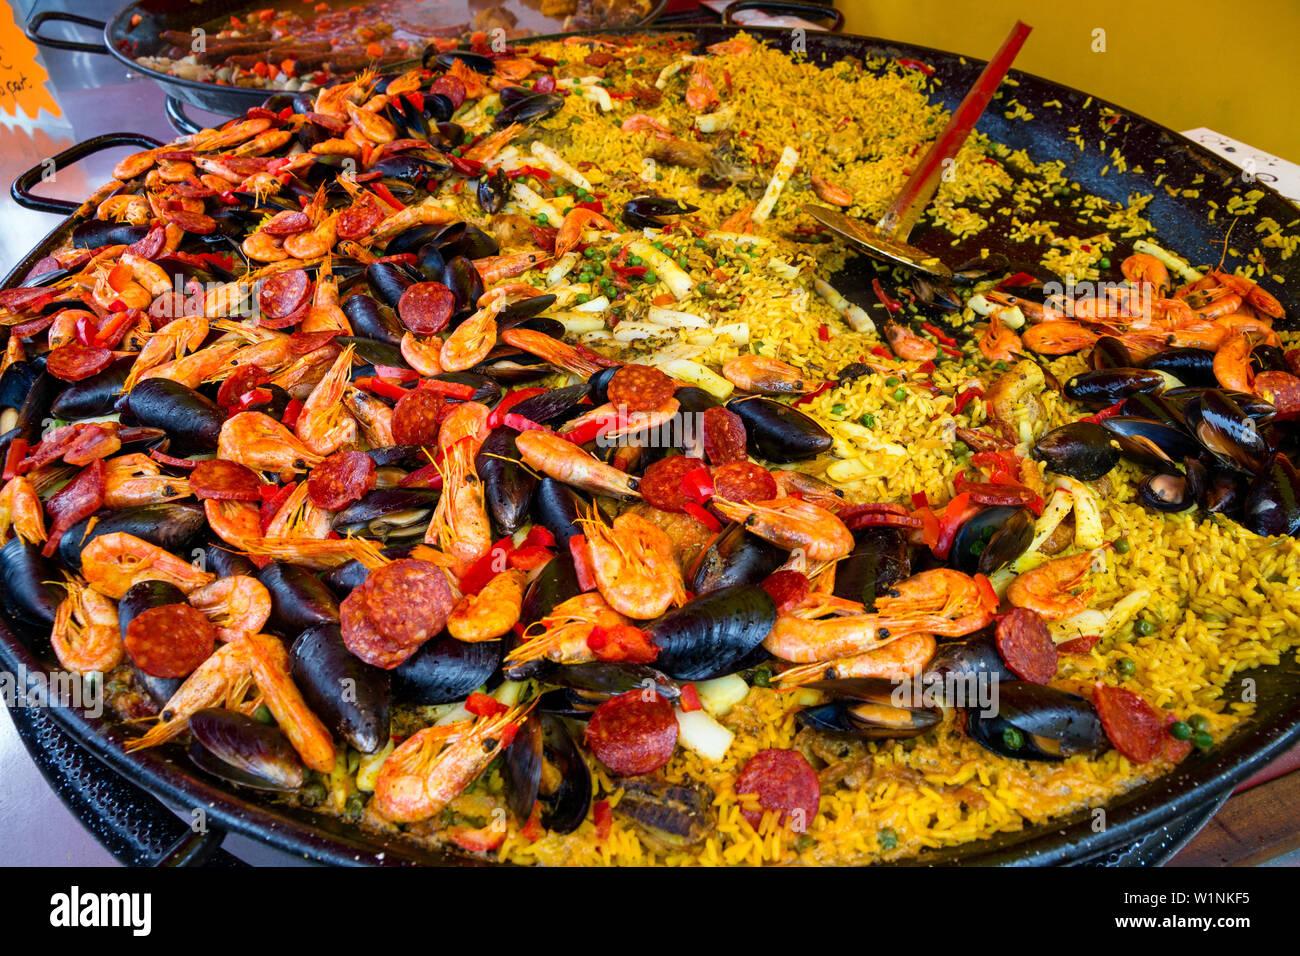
{"x": 901, "y": 659}
{"x": 460, "y": 525}
{"x": 559, "y": 354}
{"x": 325, "y": 425}
{"x": 237, "y": 605}
{"x": 223, "y": 680}
{"x": 907, "y": 344}
{"x": 1048, "y": 589}
{"x": 136, "y": 479}
{"x": 1059, "y": 337}
{"x": 86, "y": 635}
{"x": 1143, "y": 269}
{"x": 998, "y": 343}
{"x": 561, "y": 636}
{"x": 263, "y": 444}
{"x": 634, "y": 565}
{"x": 268, "y": 662}
{"x": 422, "y": 353}
{"x": 21, "y": 510}
{"x": 701, "y": 94}
{"x": 791, "y": 523}
{"x": 566, "y": 462}
{"x": 829, "y": 192}
{"x": 324, "y": 314}
{"x": 490, "y": 613}
{"x": 578, "y": 219}
{"x": 767, "y": 376}
{"x": 471, "y": 341}
{"x": 113, "y": 562}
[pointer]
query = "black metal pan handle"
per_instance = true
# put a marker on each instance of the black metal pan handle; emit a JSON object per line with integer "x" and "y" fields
{"x": 807, "y": 10}
{"x": 45, "y": 16}
{"x": 179, "y": 119}
{"x": 21, "y": 190}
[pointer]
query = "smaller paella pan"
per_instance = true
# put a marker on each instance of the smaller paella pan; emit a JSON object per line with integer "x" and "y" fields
{"x": 416, "y": 327}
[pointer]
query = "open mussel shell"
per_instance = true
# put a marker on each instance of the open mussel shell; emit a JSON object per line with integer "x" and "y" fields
{"x": 96, "y": 233}
{"x": 670, "y": 814}
{"x": 1150, "y": 443}
{"x": 1153, "y": 406}
{"x": 555, "y": 404}
{"x": 1190, "y": 366}
{"x": 17, "y": 380}
{"x": 1173, "y": 491}
{"x": 390, "y": 515}
{"x": 1105, "y": 387}
{"x": 879, "y": 558}
{"x": 530, "y": 109}
{"x": 445, "y": 670}
{"x": 95, "y": 395}
{"x": 645, "y": 212}
{"x": 734, "y": 557}
{"x": 370, "y": 319}
{"x": 1079, "y": 450}
{"x": 1036, "y": 722}
{"x": 171, "y": 525}
{"x": 299, "y": 599}
{"x": 507, "y": 485}
{"x": 1110, "y": 352}
{"x": 521, "y": 768}
{"x": 244, "y": 751}
{"x": 708, "y": 637}
{"x": 1272, "y": 503}
{"x": 191, "y": 421}
{"x": 349, "y": 695}
{"x": 28, "y": 590}
{"x": 992, "y": 538}
{"x": 597, "y": 681}
{"x": 777, "y": 432}
{"x": 543, "y": 764}
{"x": 1227, "y": 432}
{"x": 868, "y": 708}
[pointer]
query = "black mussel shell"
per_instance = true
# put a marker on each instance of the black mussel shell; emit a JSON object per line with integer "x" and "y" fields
{"x": 28, "y": 591}
{"x": 530, "y": 109}
{"x": 507, "y": 485}
{"x": 349, "y": 695}
{"x": 371, "y": 320}
{"x": 565, "y": 808}
{"x": 1166, "y": 491}
{"x": 979, "y": 267}
{"x": 1152, "y": 405}
{"x": 98, "y": 232}
{"x": 95, "y": 395}
{"x": 191, "y": 421}
{"x": 1036, "y": 722}
{"x": 601, "y": 680}
{"x": 1225, "y": 430}
{"x": 994, "y": 537}
{"x": 470, "y": 241}
{"x": 868, "y": 708}
{"x": 521, "y": 768}
{"x": 492, "y": 192}
{"x": 1225, "y": 492}
{"x": 259, "y": 755}
{"x": 1150, "y": 443}
{"x": 555, "y": 404}
{"x": 388, "y": 280}
{"x": 778, "y": 432}
{"x": 735, "y": 557}
{"x": 645, "y": 212}
{"x": 445, "y": 669}
{"x": 143, "y": 595}
{"x": 444, "y": 60}
{"x": 1191, "y": 366}
{"x": 672, "y": 815}
{"x": 955, "y": 671}
{"x": 299, "y": 599}
{"x": 389, "y": 514}
{"x": 1079, "y": 450}
{"x": 171, "y": 526}
{"x": 218, "y": 559}
{"x": 879, "y": 557}
{"x": 16, "y": 382}
{"x": 465, "y": 284}
{"x": 1105, "y": 387}
{"x": 709, "y": 636}
{"x": 1110, "y": 352}
{"x": 1272, "y": 504}
{"x": 521, "y": 310}
{"x": 557, "y": 508}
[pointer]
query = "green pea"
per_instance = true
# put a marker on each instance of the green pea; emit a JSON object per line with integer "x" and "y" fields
{"x": 803, "y": 842}
{"x": 634, "y": 260}
{"x": 960, "y": 449}
{"x": 1180, "y": 730}
{"x": 1105, "y": 263}
{"x": 977, "y": 548}
{"x": 658, "y": 244}
{"x": 900, "y": 394}
{"x": 837, "y": 408}
{"x": 313, "y": 794}
{"x": 1203, "y": 741}
{"x": 1199, "y": 723}
{"x": 1000, "y": 366}
{"x": 869, "y": 420}
{"x": 542, "y": 219}
{"x": 263, "y": 715}
{"x": 762, "y": 676}
{"x": 583, "y": 297}
{"x": 589, "y": 253}
{"x": 892, "y": 381}
{"x": 887, "y": 838}
{"x": 1013, "y": 739}
{"x": 1127, "y": 666}
{"x": 1121, "y": 545}
{"x": 650, "y": 276}
{"x": 1144, "y": 627}
{"x": 700, "y": 244}
{"x": 354, "y": 807}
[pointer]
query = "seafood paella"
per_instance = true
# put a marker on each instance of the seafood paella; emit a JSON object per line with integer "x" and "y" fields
{"x": 484, "y": 454}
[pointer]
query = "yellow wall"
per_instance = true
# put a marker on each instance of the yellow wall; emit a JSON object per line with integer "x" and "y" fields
{"x": 1232, "y": 66}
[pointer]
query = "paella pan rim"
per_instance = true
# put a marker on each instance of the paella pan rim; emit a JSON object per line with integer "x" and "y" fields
{"x": 1197, "y": 781}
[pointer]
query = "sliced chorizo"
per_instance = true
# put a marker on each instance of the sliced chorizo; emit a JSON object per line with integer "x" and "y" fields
{"x": 341, "y": 479}
{"x": 284, "y": 293}
{"x": 724, "y": 436}
{"x": 223, "y": 480}
{"x": 1135, "y": 727}
{"x": 639, "y": 388}
{"x": 407, "y": 601}
{"x": 426, "y": 307}
{"x": 1026, "y": 645}
{"x": 170, "y": 640}
{"x": 417, "y": 418}
{"x": 239, "y": 383}
{"x": 661, "y": 485}
{"x": 633, "y": 733}
{"x": 74, "y": 362}
{"x": 783, "y": 781}
{"x": 744, "y": 481}
{"x": 359, "y": 219}
{"x": 787, "y": 588}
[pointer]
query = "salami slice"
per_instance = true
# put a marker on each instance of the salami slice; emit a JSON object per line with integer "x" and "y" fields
{"x": 25, "y": 330}
{"x": 633, "y": 733}
{"x": 284, "y": 293}
{"x": 661, "y": 485}
{"x": 787, "y": 589}
{"x": 74, "y": 362}
{"x": 224, "y": 480}
{"x": 364, "y": 640}
{"x": 79, "y": 498}
{"x": 341, "y": 479}
{"x": 743, "y": 481}
{"x": 452, "y": 87}
{"x": 407, "y": 601}
{"x": 240, "y": 382}
{"x": 302, "y": 343}
{"x": 639, "y": 388}
{"x": 1026, "y": 645}
{"x": 426, "y": 307}
{"x": 290, "y": 320}
{"x": 724, "y": 436}
{"x": 359, "y": 220}
{"x": 287, "y": 223}
{"x": 151, "y": 245}
{"x": 1135, "y": 727}
{"x": 200, "y": 224}
{"x": 417, "y": 418}
{"x": 784, "y": 781}
{"x": 170, "y": 640}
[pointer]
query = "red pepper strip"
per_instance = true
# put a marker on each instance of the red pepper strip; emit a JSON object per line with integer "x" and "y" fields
{"x": 823, "y": 332}
{"x": 254, "y": 396}
{"x": 703, "y": 516}
{"x": 447, "y": 389}
{"x": 925, "y": 368}
{"x": 881, "y": 351}
{"x": 532, "y": 831}
{"x": 591, "y": 430}
{"x": 582, "y": 563}
{"x": 528, "y": 171}
{"x": 925, "y": 68}
{"x": 965, "y": 398}
{"x": 521, "y": 424}
{"x": 527, "y": 559}
{"x": 187, "y": 463}
{"x": 396, "y": 374}
{"x": 690, "y": 699}
{"x": 893, "y": 305}
{"x": 17, "y": 452}
{"x": 881, "y": 519}
{"x": 988, "y": 596}
{"x": 958, "y": 511}
{"x": 916, "y": 194}
{"x": 273, "y": 498}
{"x": 466, "y": 167}
{"x": 629, "y": 270}
{"x": 920, "y": 500}
{"x": 385, "y": 194}
{"x": 989, "y": 493}
{"x": 622, "y": 642}
{"x": 291, "y": 413}
{"x": 938, "y": 333}
{"x": 87, "y": 329}
{"x": 929, "y": 526}
{"x": 1105, "y": 413}
{"x": 478, "y": 574}
{"x": 539, "y": 536}
{"x": 482, "y": 705}
{"x": 498, "y": 414}
{"x": 111, "y": 332}
{"x": 401, "y": 258}
{"x": 602, "y": 815}
{"x": 872, "y": 507}
{"x": 1019, "y": 279}
{"x": 380, "y": 386}
{"x": 824, "y": 387}
{"x": 698, "y": 485}
{"x": 595, "y": 206}
{"x": 426, "y": 477}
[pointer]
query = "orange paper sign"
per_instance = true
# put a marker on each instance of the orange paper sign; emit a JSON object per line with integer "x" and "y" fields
{"x": 22, "y": 79}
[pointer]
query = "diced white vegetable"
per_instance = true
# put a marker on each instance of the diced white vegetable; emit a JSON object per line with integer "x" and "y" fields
{"x": 576, "y": 323}
{"x": 855, "y": 316}
{"x": 676, "y": 320}
{"x": 784, "y": 170}
{"x": 559, "y": 165}
{"x": 455, "y": 713}
{"x": 671, "y": 353}
{"x": 693, "y": 373}
{"x": 738, "y": 238}
{"x": 714, "y": 122}
{"x": 534, "y": 203}
{"x": 508, "y": 692}
{"x": 634, "y": 330}
{"x": 698, "y": 732}
{"x": 598, "y": 304}
{"x": 669, "y": 272}
{"x": 368, "y": 769}
{"x": 563, "y": 266}
{"x": 782, "y": 268}
{"x": 806, "y": 697}
{"x": 1058, "y": 506}
{"x": 849, "y": 469}
{"x": 719, "y": 695}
